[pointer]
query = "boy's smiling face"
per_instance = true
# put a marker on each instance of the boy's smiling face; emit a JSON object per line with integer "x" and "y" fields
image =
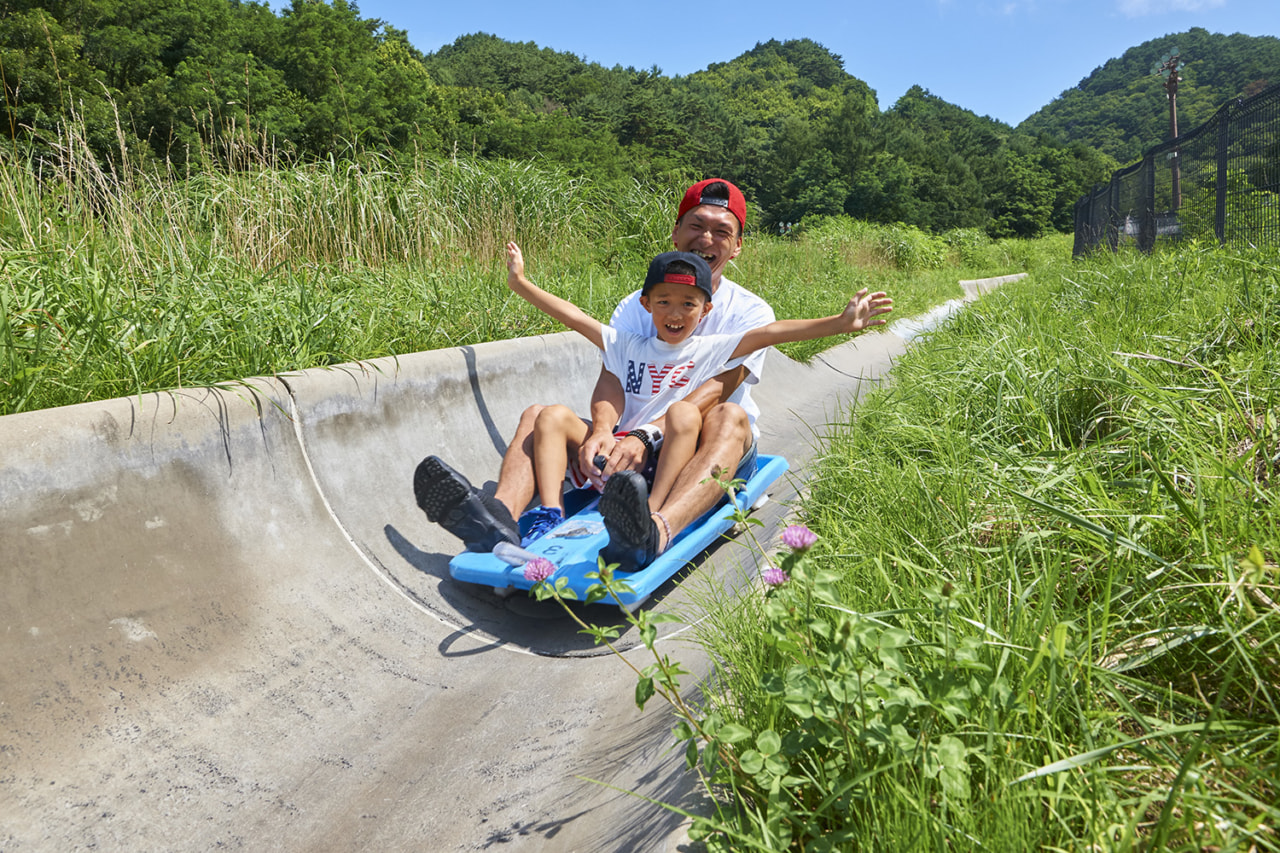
{"x": 676, "y": 308}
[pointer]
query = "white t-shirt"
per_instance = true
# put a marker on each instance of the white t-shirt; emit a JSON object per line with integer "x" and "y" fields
{"x": 734, "y": 310}
{"x": 655, "y": 374}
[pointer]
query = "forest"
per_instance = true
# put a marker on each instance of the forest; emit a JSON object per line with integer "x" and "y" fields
{"x": 185, "y": 84}
{"x": 1110, "y": 110}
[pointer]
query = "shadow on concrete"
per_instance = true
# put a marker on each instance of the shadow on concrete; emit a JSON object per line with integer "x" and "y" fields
{"x": 541, "y": 627}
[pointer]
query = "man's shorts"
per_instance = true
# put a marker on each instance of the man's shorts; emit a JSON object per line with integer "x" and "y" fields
{"x": 750, "y": 463}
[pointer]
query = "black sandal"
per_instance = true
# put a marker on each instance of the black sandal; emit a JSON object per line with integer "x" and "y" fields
{"x": 449, "y": 499}
{"x": 633, "y": 535}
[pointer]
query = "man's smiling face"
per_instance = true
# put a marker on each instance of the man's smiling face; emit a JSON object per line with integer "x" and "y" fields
{"x": 676, "y": 308}
{"x": 711, "y": 232}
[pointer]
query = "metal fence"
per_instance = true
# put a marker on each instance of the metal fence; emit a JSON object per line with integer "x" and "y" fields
{"x": 1221, "y": 181}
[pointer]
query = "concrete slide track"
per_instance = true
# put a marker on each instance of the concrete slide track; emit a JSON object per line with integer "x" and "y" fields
{"x": 226, "y": 625}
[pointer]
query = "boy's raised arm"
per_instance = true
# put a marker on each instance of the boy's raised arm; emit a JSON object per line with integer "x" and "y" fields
{"x": 859, "y": 314}
{"x": 548, "y": 303}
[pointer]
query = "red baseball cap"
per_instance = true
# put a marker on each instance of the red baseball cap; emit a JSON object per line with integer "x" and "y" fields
{"x": 718, "y": 192}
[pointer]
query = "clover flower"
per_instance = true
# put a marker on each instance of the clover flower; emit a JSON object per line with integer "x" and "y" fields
{"x": 799, "y": 538}
{"x": 774, "y": 576}
{"x": 539, "y": 569}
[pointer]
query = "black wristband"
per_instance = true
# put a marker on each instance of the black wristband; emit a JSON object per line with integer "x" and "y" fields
{"x": 644, "y": 439}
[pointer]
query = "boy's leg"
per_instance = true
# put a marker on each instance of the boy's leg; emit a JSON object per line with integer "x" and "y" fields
{"x": 726, "y": 438}
{"x": 683, "y": 425}
{"x": 557, "y": 433}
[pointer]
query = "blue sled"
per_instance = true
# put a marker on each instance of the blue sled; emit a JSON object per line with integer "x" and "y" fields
{"x": 575, "y": 544}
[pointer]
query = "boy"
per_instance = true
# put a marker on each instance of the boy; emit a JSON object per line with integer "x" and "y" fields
{"x": 656, "y": 374}
{"x": 710, "y": 222}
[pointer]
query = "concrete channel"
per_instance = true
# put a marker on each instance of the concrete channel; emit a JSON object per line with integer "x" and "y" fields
{"x": 226, "y": 625}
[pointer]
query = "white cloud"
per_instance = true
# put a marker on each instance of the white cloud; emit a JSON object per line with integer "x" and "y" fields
{"x": 1140, "y": 8}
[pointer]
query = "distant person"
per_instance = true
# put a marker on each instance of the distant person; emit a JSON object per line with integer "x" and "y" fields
{"x": 709, "y": 223}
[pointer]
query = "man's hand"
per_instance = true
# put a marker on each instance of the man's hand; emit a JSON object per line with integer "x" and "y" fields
{"x": 628, "y": 455}
{"x": 625, "y": 455}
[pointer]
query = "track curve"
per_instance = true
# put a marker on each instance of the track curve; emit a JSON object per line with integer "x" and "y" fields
{"x": 226, "y": 624}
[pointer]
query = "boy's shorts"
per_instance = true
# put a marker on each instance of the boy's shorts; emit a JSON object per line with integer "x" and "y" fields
{"x": 579, "y": 480}
{"x": 746, "y": 468}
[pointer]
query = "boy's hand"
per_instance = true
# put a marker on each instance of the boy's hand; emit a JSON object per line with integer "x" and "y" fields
{"x": 515, "y": 261}
{"x": 862, "y": 310}
{"x": 597, "y": 444}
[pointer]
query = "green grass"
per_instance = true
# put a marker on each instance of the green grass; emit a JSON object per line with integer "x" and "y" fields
{"x": 116, "y": 284}
{"x": 122, "y": 280}
{"x": 1045, "y": 609}
{"x": 1043, "y": 612}
{"x": 831, "y": 259}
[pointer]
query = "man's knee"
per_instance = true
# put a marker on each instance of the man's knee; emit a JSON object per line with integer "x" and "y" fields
{"x": 528, "y": 418}
{"x": 726, "y": 422}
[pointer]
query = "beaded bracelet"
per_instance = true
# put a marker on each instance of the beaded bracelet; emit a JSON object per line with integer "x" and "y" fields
{"x": 644, "y": 439}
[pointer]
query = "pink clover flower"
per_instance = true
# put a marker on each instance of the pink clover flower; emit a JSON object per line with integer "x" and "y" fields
{"x": 774, "y": 576}
{"x": 797, "y": 537}
{"x": 539, "y": 569}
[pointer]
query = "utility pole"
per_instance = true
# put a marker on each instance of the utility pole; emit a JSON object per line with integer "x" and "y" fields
{"x": 1168, "y": 68}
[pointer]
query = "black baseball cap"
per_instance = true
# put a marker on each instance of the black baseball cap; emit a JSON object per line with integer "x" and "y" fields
{"x": 660, "y": 271}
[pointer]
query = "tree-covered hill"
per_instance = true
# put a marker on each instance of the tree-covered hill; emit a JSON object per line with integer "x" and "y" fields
{"x": 186, "y": 84}
{"x": 793, "y": 128}
{"x": 1121, "y": 108}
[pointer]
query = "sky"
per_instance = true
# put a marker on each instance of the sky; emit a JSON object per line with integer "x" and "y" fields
{"x": 1000, "y": 58}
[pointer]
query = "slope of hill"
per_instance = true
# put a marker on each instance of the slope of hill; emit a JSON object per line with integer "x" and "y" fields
{"x": 1122, "y": 108}
{"x": 197, "y": 82}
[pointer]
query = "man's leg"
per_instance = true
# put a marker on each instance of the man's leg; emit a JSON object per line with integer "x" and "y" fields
{"x": 516, "y": 483}
{"x": 480, "y": 521}
{"x": 449, "y": 499}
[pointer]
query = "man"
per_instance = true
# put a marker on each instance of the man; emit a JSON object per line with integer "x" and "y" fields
{"x": 709, "y": 223}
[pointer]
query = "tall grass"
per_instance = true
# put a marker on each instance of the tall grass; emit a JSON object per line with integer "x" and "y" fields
{"x": 829, "y": 259}
{"x": 1051, "y": 546}
{"x": 365, "y": 210}
{"x": 118, "y": 278}
{"x": 126, "y": 276}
